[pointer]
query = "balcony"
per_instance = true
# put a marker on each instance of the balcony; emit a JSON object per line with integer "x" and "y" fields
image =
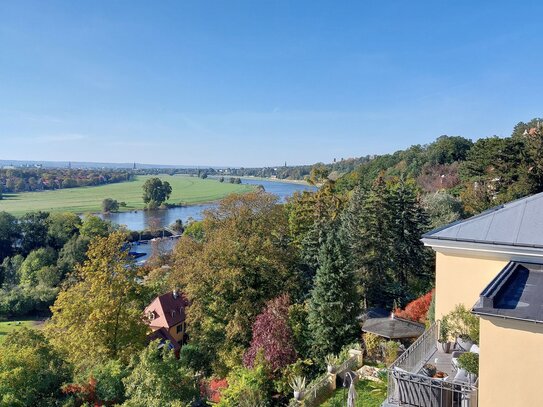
{"x": 408, "y": 386}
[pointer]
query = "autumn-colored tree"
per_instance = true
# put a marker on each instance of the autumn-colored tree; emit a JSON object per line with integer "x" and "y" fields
{"x": 272, "y": 335}
{"x": 416, "y": 310}
{"x": 243, "y": 261}
{"x": 99, "y": 316}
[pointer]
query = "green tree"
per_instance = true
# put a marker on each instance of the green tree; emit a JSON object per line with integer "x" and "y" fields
{"x": 35, "y": 261}
{"x": 61, "y": 227}
{"x": 383, "y": 228}
{"x": 9, "y": 233}
{"x": 156, "y": 191}
{"x": 448, "y": 149}
{"x": 74, "y": 252}
{"x": 410, "y": 266}
{"x": 442, "y": 208}
{"x": 93, "y": 226}
{"x": 335, "y": 300}
{"x": 31, "y": 371}
{"x": 366, "y": 222}
{"x": 158, "y": 379}
{"x": 34, "y": 228}
{"x": 110, "y": 205}
{"x": 9, "y": 270}
{"x": 98, "y": 317}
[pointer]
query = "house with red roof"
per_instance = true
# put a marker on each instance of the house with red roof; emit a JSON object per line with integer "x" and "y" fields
{"x": 166, "y": 318}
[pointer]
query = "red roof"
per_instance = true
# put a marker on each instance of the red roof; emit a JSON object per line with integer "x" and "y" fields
{"x": 168, "y": 310}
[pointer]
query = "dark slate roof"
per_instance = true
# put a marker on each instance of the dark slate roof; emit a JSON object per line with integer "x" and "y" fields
{"x": 517, "y": 223}
{"x": 393, "y": 328}
{"x": 515, "y": 293}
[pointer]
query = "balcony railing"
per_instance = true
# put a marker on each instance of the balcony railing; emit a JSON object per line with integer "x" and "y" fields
{"x": 409, "y": 388}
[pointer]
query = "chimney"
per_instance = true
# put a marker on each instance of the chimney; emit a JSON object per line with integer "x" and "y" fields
{"x": 175, "y": 294}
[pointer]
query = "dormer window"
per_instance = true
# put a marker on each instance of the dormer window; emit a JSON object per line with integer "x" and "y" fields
{"x": 151, "y": 315}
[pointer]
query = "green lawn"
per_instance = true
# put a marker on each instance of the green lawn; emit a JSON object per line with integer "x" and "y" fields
{"x": 364, "y": 397}
{"x": 7, "y": 326}
{"x": 185, "y": 189}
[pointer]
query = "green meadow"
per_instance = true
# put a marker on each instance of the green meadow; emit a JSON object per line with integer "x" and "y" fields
{"x": 7, "y": 326}
{"x": 186, "y": 190}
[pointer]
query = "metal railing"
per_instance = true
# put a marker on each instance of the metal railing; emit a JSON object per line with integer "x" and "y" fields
{"x": 319, "y": 391}
{"x": 420, "y": 351}
{"x": 407, "y": 387}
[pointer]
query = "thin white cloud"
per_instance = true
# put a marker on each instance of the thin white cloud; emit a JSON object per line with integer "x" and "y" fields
{"x": 59, "y": 138}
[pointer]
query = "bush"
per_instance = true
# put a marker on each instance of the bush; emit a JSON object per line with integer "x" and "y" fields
{"x": 247, "y": 388}
{"x": 372, "y": 344}
{"x": 391, "y": 352}
{"x": 470, "y": 362}
{"x": 416, "y": 310}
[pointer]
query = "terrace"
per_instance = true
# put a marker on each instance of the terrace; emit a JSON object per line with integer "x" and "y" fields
{"x": 409, "y": 386}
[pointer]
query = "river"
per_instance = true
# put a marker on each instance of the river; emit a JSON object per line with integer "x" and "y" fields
{"x": 141, "y": 220}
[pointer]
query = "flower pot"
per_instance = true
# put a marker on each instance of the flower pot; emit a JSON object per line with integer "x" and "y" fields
{"x": 446, "y": 346}
{"x": 464, "y": 343}
{"x": 330, "y": 368}
{"x": 298, "y": 395}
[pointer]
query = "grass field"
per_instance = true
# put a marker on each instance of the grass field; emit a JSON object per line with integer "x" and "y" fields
{"x": 186, "y": 190}
{"x": 7, "y": 326}
{"x": 365, "y": 397}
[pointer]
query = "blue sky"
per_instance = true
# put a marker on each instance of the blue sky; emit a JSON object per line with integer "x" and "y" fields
{"x": 256, "y": 83}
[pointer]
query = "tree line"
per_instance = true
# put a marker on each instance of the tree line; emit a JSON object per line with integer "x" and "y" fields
{"x": 15, "y": 180}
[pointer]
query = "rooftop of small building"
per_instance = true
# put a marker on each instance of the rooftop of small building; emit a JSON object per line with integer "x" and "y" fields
{"x": 392, "y": 327}
{"x": 515, "y": 293}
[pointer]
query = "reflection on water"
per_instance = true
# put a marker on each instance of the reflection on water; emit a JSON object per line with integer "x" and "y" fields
{"x": 141, "y": 220}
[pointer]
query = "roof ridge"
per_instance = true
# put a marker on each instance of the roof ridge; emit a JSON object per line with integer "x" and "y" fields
{"x": 502, "y": 224}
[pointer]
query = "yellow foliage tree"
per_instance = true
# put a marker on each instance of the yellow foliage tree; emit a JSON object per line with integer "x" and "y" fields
{"x": 100, "y": 315}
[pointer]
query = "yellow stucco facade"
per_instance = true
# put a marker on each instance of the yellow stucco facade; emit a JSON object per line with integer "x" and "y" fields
{"x": 510, "y": 363}
{"x": 511, "y": 351}
{"x": 460, "y": 280}
{"x": 177, "y": 331}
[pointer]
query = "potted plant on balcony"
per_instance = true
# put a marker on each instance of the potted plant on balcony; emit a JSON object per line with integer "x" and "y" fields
{"x": 444, "y": 332}
{"x": 469, "y": 361}
{"x": 298, "y": 386}
{"x": 331, "y": 362}
{"x": 464, "y": 326}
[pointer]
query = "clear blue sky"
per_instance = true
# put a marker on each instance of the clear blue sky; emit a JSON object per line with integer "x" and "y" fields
{"x": 258, "y": 83}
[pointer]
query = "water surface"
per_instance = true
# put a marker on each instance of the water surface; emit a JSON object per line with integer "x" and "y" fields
{"x": 141, "y": 220}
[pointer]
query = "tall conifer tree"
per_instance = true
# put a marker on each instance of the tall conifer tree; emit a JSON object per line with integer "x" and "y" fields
{"x": 335, "y": 300}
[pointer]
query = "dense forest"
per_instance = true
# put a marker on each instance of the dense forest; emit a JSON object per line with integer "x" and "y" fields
{"x": 274, "y": 289}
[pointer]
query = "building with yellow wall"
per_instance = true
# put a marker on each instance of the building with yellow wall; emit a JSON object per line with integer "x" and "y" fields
{"x": 493, "y": 264}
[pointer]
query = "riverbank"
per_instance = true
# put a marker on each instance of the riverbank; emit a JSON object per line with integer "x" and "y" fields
{"x": 186, "y": 191}
{"x": 286, "y": 181}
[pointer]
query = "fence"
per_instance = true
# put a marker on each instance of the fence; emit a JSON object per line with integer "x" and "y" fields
{"x": 321, "y": 389}
{"x": 407, "y": 387}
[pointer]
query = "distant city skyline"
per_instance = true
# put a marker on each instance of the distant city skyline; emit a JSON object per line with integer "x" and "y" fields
{"x": 254, "y": 84}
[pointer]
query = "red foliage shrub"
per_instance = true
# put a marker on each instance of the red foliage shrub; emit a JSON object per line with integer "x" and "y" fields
{"x": 416, "y": 310}
{"x": 85, "y": 393}
{"x": 272, "y": 336}
{"x": 212, "y": 389}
